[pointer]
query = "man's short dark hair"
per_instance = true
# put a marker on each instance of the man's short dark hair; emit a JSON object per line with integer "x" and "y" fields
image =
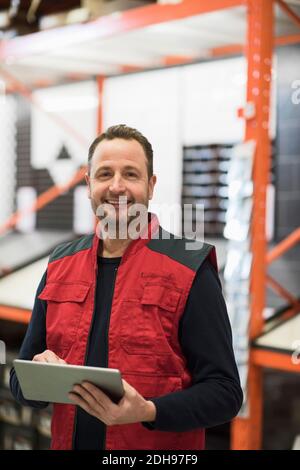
{"x": 121, "y": 131}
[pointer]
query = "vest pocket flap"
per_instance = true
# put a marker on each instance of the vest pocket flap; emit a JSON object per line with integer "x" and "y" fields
{"x": 61, "y": 292}
{"x": 153, "y": 386}
{"x": 165, "y": 297}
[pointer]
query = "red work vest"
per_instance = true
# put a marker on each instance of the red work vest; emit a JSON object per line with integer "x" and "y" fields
{"x": 151, "y": 288}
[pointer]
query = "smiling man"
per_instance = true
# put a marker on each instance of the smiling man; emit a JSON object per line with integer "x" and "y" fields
{"x": 120, "y": 179}
{"x": 142, "y": 304}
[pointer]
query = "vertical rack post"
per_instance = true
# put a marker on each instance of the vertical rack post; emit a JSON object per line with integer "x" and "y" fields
{"x": 100, "y": 87}
{"x": 246, "y": 433}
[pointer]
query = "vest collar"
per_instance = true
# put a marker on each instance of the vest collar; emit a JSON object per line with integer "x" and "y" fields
{"x": 135, "y": 245}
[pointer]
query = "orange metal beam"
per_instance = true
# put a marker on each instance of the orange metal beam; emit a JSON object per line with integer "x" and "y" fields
{"x": 284, "y": 246}
{"x": 231, "y": 49}
{"x": 18, "y": 315}
{"x": 170, "y": 60}
{"x": 286, "y": 40}
{"x": 100, "y": 120}
{"x": 222, "y": 51}
{"x": 293, "y": 16}
{"x": 258, "y": 358}
{"x": 131, "y": 68}
{"x": 283, "y": 292}
{"x": 104, "y": 27}
{"x": 100, "y": 84}
{"x": 259, "y": 54}
{"x": 290, "y": 313}
{"x": 247, "y": 432}
{"x": 42, "y": 200}
{"x": 274, "y": 360}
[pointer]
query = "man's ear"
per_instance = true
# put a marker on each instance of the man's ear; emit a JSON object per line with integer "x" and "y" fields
{"x": 152, "y": 183}
{"x": 88, "y": 181}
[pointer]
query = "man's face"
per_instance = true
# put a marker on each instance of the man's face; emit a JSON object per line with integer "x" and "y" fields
{"x": 119, "y": 168}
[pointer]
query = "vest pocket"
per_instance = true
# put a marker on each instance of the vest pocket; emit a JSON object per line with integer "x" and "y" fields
{"x": 153, "y": 386}
{"x": 65, "y": 303}
{"x": 148, "y": 324}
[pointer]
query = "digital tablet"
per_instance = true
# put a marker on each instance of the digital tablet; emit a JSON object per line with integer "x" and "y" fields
{"x": 43, "y": 381}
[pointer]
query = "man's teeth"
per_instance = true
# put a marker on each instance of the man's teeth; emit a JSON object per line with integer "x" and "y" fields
{"x": 118, "y": 202}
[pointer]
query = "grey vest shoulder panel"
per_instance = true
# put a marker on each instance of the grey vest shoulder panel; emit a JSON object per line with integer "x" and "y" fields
{"x": 190, "y": 253}
{"x": 70, "y": 248}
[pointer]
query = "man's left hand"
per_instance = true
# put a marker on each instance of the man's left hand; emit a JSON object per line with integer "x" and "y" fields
{"x": 132, "y": 408}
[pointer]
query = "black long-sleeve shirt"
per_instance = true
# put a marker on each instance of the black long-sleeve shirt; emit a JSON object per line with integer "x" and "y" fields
{"x": 204, "y": 335}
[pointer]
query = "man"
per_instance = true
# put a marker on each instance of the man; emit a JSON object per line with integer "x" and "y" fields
{"x": 144, "y": 305}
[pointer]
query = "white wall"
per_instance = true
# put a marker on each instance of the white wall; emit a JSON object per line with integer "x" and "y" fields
{"x": 212, "y": 93}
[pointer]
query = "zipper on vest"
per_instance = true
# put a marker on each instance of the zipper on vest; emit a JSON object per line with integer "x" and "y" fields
{"x": 106, "y": 336}
{"x": 86, "y": 353}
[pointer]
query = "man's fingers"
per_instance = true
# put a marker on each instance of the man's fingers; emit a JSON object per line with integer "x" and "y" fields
{"x": 85, "y": 400}
{"x": 79, "y": 401}
{"x": 127, "y": 387}
{"x": 86, "y": 396}
{"x": 100, "y": 396}
{"x": 48, "y": 356}
{"x": 40, "y": 357}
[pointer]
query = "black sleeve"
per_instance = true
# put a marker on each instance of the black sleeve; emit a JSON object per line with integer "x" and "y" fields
{"x": 33, "y": 343}
{"x": 205, "y": 336}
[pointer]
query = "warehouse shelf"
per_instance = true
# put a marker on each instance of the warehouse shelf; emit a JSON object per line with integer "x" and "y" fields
{"x": 14, "y": 314}
{"x": 21, "y": 428}
{"x": 34, "y": 246}
{"x": 274, "y": 360}
{"x": 150, "y": 36}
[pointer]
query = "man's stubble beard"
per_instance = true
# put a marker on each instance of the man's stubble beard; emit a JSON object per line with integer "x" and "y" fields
{"x": 119, "y": 224}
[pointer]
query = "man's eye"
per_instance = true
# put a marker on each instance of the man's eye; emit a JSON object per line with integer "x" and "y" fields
{"x": 131, "y": 174}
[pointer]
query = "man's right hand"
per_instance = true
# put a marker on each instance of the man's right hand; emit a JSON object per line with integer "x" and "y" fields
{"x": 48, "y": 356}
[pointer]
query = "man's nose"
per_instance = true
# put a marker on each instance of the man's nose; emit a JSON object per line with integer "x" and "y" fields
{"x": 117, "y": 185}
